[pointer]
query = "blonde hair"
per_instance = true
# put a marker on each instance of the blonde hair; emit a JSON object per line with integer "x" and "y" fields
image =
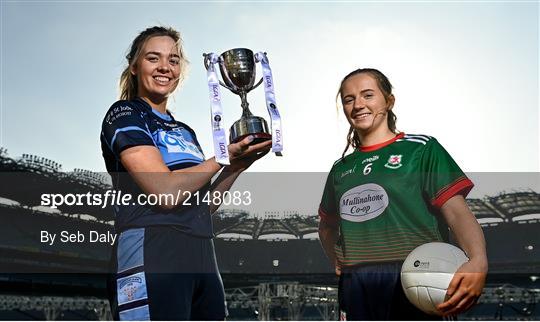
{"x": 128, "y": 81}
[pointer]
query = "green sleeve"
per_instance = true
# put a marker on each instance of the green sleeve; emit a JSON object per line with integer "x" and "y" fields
{"x": 441, "y": 176}
{"x": 328, "y": 208}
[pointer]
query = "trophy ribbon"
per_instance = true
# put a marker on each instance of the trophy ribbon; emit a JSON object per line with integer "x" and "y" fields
{"x": 271, "y": 106}
{"x": 218, "y": 132}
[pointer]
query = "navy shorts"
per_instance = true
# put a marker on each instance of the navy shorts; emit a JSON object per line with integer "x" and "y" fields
{"x": 374, "y": 292}
{"x": 165, "y": 274}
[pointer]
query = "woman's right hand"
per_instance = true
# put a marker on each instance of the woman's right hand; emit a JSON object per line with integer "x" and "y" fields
{"x": 337, "y": 266}
{"x": 242, "y": 154}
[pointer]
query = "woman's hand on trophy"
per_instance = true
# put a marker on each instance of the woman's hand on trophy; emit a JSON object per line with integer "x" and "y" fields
{"x": 242, "y": 154}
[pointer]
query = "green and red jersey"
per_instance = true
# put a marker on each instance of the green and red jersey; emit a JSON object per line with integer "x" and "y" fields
{"x": 386, "y": 198}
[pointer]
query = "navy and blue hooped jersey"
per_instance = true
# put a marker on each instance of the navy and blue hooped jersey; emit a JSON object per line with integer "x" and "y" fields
{"x": 134, "y": 123}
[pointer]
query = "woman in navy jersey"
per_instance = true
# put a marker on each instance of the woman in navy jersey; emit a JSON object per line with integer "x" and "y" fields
{"x": 394, "y": 192}
{"x": 166, "y": 266}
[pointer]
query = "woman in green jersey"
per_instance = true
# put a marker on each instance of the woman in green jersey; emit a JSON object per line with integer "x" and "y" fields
{"x": 391, "y": 194}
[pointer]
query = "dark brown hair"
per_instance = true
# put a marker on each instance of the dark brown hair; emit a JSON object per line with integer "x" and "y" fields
{"x": 128, "y": 81}
{"x": 386, "y": 88}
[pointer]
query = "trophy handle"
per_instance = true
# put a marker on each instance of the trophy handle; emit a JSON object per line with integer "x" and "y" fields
{"x": 257, "y": 60}
{"x": 229, "y": 88}
{"x": 206, "y": 59}
{"x": 257, "y": 85}
{"x": 207, "y": 66}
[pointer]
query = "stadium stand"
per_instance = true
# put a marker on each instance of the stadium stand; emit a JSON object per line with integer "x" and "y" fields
{"x": 517, "y": 204}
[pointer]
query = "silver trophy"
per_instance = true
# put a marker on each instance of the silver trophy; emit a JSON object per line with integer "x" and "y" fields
{"x": 237, "y": 68}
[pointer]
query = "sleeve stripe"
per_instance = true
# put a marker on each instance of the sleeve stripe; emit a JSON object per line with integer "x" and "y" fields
{"x": 186, "y": 160}
{"x": 414, "y": 140}
{"x": 329, "y": 219}
{"x": 461, "y": 186}
{"x": 128, "y": 128}
{"x": 417, "y": 136}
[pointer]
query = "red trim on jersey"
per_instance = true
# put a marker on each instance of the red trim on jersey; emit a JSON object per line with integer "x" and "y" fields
{"x": 461, "y": 186}
{"x": 328, "y": 219}
{"x": 377, "y": 146}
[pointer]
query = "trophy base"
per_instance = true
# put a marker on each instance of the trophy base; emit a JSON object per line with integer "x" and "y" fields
{"x": 252, "y": 125}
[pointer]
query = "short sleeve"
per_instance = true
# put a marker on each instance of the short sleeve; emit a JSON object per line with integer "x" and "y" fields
{"x": 441, "y": 176}
{"x": 124, "y": 127}
{"x": 328, "y": 209}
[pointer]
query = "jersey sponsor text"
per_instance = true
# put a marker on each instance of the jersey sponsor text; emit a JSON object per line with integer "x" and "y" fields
{"x": 363, "y": 202}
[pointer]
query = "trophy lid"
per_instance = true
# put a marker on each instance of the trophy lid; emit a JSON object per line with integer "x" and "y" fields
{"x": 237, "y": 68}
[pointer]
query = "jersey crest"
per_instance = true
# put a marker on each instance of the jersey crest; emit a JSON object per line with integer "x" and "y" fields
{"x": 394, "y": 161}
{"x": 175, "y": 142}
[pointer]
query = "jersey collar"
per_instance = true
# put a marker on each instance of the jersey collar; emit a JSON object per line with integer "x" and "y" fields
{"x": 377, "y": 146}
{"x": 166, "y": 117}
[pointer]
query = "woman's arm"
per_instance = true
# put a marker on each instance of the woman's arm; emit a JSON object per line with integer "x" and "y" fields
{"x": 230, "y": 173}
{"x": 468, "y": 282}
{"x": 328, "y": 235}
{"x": 146, "y": 166}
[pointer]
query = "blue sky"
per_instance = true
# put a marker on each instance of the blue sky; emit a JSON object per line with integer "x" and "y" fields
{"x": 466, "y": 73}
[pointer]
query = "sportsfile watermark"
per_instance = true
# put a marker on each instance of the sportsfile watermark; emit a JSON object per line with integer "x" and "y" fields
{"x": 119, "y": 198}
{"x": 56, "y": 223}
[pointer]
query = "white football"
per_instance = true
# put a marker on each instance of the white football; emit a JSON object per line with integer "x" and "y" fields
{"x": 427, "y": 272}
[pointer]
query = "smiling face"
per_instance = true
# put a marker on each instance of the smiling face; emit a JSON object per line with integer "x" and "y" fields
{"x": 365, "y": 105}
{"x": 157, "y": 69}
